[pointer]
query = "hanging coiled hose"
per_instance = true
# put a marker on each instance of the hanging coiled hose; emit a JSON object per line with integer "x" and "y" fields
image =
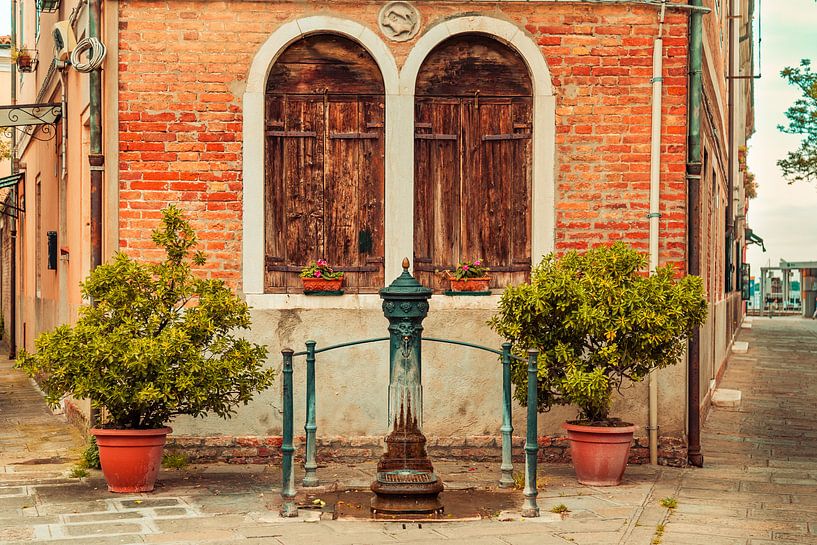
{"x": 96, "y": 52}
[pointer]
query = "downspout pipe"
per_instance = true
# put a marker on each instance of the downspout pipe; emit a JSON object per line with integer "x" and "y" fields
{"x": 96, "y": 159}
{"x": 13, "y": 197}
{"x": 655, "y": 207}
{"x": 693, "y": 175}
{"x": 731, "y": 153}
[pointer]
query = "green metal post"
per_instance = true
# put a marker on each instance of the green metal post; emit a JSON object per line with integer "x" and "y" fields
{"x": 310, "y": 463}
{"x": 288, "y": 508}
{"x": 694, "y": 228}
{"x": 506, "y": 479}
{"x": 529, "y": 507}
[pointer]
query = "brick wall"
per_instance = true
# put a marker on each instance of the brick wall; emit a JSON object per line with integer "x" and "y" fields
{"x": 183, "y": 67}
{"x": 672, "y": 451}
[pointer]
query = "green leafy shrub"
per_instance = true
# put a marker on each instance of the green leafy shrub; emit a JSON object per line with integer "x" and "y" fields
{"x": 597, "y": 320}
{"x": 90, "y": 456}
{"x": 175, "y": 460}
{"x": 560, "y": 509}
{"x": 159, "y": 341}
{"x": 669, "y": 502}
{"x": 78, "y": 472}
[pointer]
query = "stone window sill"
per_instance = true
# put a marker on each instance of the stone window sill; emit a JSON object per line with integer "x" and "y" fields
{"x": 368, "y": 301}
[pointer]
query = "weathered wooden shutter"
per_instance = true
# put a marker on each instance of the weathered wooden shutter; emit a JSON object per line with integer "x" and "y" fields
{"x": 473, "y": 120}
{"x": 325, "y": 171}
{"x": 354, "y": 189}
{"x": 294, "y": 189}
{"x": 437, "y": 187}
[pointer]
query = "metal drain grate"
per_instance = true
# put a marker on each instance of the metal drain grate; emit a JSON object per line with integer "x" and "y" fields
{"x": 409, "y": 476}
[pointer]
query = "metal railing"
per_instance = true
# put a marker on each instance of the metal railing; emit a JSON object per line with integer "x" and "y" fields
{"x": 506, "y": 480}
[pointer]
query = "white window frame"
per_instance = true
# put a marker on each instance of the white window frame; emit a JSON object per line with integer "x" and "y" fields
{"x": 399, "y": 150}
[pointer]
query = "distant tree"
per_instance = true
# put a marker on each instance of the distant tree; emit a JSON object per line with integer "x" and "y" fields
{"x": 5, "y": 148}
{"x": 801, "y": 164}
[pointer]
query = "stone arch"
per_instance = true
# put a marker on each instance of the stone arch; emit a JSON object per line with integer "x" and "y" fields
{"x": 253, "y": 128}
{"x": 544, "y": 111}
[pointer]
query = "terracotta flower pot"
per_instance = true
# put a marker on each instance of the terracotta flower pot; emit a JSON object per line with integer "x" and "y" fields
{"x": 130, "y": 459}
{"x": 470, "y": 284}
{"x": 599, "y": 453}
{"x": 321, "y": 284}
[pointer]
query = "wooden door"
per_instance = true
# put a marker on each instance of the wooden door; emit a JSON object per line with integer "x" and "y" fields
{"x": 473, "y": 120}
{"x": 325, "y": 171}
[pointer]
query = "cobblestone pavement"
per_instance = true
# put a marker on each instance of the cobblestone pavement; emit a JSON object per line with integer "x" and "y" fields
{"x": 759, "y": 485}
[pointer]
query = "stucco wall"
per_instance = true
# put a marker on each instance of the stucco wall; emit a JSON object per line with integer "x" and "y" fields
{"x": 462, "y": 387}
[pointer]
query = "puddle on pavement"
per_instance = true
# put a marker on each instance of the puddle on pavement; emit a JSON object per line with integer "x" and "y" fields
{"x": 458, "y": 504}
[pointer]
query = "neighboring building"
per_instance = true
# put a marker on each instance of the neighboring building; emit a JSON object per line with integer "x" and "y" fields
{"x": 363, "y": 132}
{"x": 5, "y": 170}
{"x": 5, "y": 95}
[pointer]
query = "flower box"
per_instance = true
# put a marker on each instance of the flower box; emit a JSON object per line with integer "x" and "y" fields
{"x": 470, "y": 284}
{"x": 313, "y": 285}
{"x": 318, "y": 278}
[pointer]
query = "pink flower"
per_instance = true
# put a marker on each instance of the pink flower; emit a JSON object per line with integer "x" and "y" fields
{"x": 321, "y": 263}
{"x": 465, "y": 267}
{"x": 478, "y": 262}
{"x": 317, "y": 274}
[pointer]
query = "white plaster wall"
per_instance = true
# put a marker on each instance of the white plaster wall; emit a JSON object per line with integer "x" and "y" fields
{"x": 462, "y": 387}
{"x": 721, "y": 341}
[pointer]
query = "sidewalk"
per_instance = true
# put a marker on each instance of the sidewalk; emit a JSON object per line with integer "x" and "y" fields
{"x": 759, "y": 485}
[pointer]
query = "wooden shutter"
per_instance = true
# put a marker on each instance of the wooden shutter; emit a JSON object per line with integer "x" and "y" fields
{"x": 437, "y": 187}
{"x": 294, "y": 189}
{"x": 473, "y": 119}
{"x": 325, "y": 171}
{"x": 354, "y": 189}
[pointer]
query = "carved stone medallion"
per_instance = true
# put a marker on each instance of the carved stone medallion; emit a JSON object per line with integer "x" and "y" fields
{"x": 399, "y": 21}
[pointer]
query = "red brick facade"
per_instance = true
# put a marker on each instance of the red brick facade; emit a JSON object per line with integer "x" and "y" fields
{"x": 183, "y": 67}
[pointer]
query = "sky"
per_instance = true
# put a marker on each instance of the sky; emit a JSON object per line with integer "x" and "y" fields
{"x": 5, "y": 17}
{"x": 784, "y": 215}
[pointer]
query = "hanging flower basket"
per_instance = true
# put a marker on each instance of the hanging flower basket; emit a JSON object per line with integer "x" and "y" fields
{"x": 26, "y": 60}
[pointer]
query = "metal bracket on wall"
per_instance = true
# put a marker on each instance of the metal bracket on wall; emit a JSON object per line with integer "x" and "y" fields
{"x": 28, "y": 118}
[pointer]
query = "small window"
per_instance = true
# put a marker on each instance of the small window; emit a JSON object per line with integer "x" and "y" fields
{"x": 39, "y": 7}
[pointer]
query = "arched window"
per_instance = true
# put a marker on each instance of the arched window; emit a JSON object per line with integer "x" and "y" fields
{"x": 324, "y": 163}
{"x": 473, "y": 124}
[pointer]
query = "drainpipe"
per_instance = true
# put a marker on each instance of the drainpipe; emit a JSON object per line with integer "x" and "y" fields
{"x": 96, "y": 159}
{"x": 730, "y": 158}
{"x": 62, "y": 271}
{"x": 13, "y": 198}
{"x": 693, "y": 174}
{"x": 655, "y": 202}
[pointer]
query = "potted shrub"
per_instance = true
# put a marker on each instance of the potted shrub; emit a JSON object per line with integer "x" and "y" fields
{"x": 600, "y": 323}
{"x": 319, "y": 277}
{"x": 469, "y": 276}
{"x": 158, "y": 342}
